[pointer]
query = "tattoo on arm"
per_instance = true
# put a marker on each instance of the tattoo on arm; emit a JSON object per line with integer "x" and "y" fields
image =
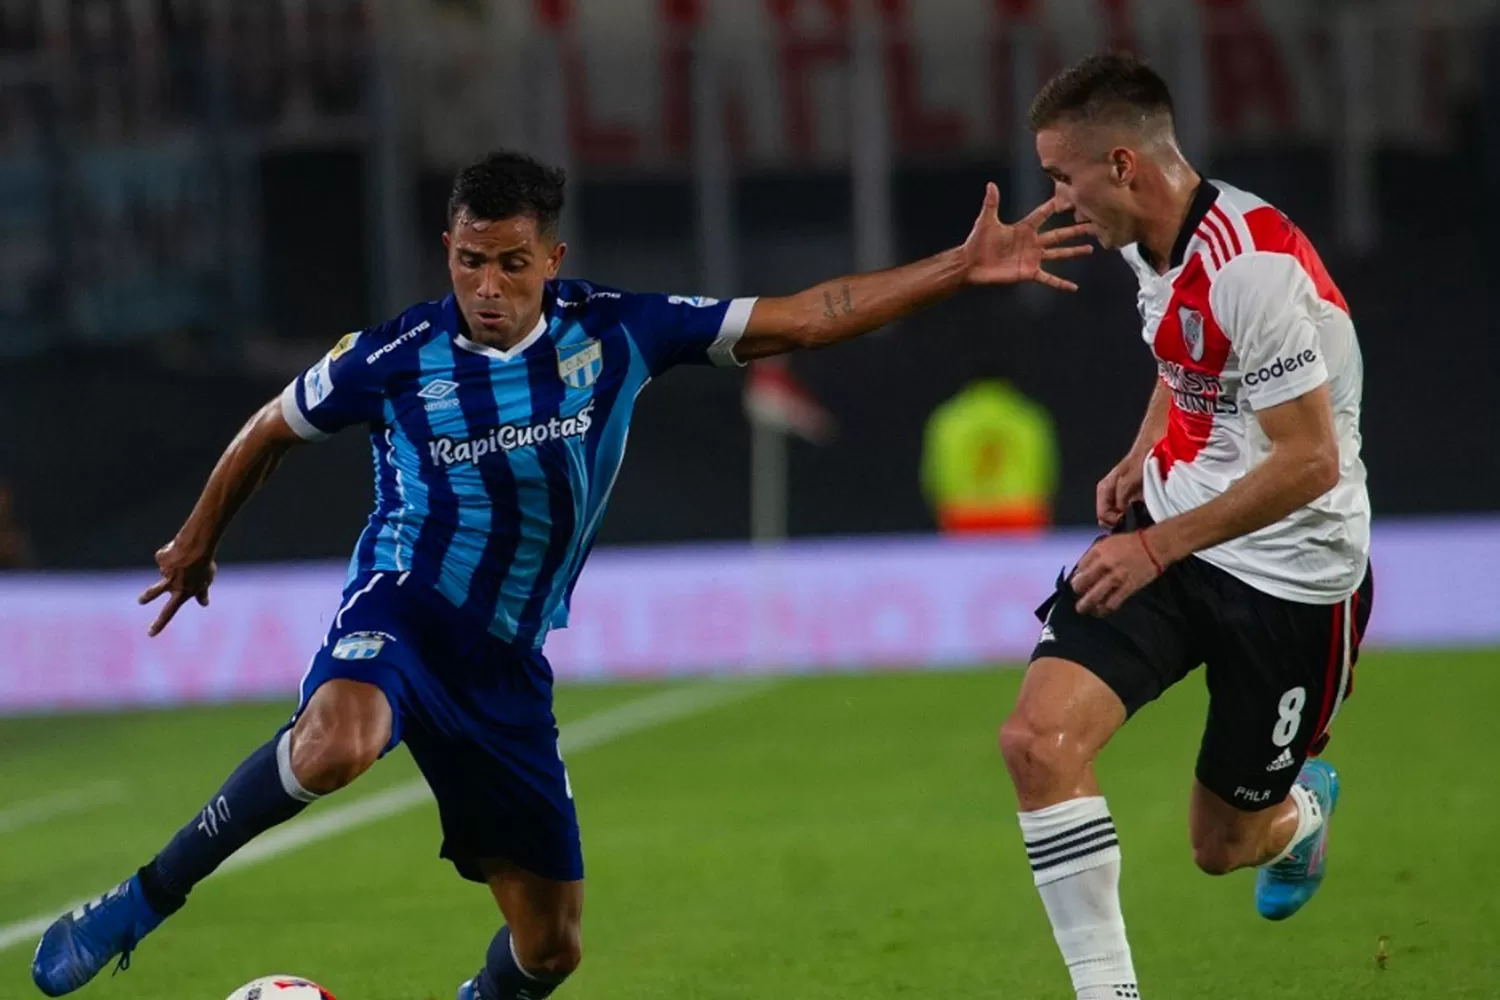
{"x": 832, "y": 303}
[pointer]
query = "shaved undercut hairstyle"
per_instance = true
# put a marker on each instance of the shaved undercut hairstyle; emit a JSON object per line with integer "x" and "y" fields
{"x": 1109, "y": 89}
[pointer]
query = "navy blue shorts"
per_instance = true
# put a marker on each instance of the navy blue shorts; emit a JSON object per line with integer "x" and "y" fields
{"x": 476, "y": 714}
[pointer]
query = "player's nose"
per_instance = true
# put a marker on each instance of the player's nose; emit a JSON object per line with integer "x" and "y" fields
{"x": 490, "y": 283}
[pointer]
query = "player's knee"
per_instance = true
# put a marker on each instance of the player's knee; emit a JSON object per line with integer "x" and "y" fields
{"x": 556, "y": 955}
{"x": 328, "y": 754}
{"x": 1039, "y": 757}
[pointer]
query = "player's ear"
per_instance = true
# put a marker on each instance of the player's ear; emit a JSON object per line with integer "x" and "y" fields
{"x": 1122, "y": 165}
{"x": 447, "y": 240}
{"x": 555, "y": 258}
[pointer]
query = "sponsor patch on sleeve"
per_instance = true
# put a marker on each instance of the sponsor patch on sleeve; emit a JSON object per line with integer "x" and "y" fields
{"x": 345, "y": 343}
{"x": 317, "y": 383}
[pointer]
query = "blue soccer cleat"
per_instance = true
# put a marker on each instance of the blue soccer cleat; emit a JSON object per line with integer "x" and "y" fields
{"x": 469, "y": 990}
{"x": 1285, "y": 887}
{"x": 79, "y": 944}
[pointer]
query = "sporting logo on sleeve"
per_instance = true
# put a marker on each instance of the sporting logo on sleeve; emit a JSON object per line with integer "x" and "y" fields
{"x": 697, "y": 301}
{"x": 381, "y": 352}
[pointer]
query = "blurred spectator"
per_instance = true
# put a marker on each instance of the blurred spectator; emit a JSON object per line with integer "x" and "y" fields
{"x": 15, "y": 547}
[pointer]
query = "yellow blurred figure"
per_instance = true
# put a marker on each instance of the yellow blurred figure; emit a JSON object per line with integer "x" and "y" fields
{"x": 989, "y": 461}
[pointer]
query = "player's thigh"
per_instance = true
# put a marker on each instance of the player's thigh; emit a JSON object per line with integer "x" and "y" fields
{"x": 350, "y": 704}
{"x": 1278, "y": 672}
{"x": 501, "y": 793}
{"x": 350, "y": 720}
{"x": 545, "y": 915}
{"x": 1090, "y": 674}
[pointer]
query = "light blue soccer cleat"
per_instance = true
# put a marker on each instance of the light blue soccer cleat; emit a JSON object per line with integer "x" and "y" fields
{"x": 1285, "y": 887}
{"x": 79, "y": 944}
{"x": 469, "y": 990}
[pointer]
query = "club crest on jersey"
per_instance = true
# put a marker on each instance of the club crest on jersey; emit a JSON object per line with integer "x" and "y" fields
{"x": 1192, "y": 331}
{"x": 580, "y": 368}
{"x": 360, "y": 645}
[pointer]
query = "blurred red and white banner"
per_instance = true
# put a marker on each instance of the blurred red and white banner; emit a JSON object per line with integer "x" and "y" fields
{"x": 957, "y": 73}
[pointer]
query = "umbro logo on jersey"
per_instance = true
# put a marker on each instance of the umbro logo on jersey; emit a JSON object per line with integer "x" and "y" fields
{"x": 438, "y": 388}
{"x": 1282, "y": 762}
{"x": 439, "y": 392}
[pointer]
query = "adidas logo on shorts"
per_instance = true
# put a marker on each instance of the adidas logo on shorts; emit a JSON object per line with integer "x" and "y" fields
{"x": 1283, "y": 762}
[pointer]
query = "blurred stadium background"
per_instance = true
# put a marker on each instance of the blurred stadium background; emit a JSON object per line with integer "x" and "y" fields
{"x": 198, "y": 197}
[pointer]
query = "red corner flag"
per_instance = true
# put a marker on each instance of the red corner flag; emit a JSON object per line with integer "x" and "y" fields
{"x": 776, "y": 398}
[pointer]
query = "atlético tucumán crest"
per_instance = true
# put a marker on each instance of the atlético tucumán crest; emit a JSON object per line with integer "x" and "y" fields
{"x": 579, "y": 367}
{"x": 1192, "y": 331}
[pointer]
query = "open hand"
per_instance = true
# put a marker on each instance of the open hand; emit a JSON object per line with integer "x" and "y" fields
{"x": 184, "y": 575}
{"x": 1000, "y": 254}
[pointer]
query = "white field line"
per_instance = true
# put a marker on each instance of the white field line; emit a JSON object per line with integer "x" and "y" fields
{"x": 68, "y": 802}
{"x": 591, "y": 731}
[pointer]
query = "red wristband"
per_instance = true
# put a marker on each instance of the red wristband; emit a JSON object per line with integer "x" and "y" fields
{"x": 1141, "y": 534}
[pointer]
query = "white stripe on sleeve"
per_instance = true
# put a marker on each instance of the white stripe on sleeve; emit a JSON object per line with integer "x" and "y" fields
{"x": 736, "y": 318}
{"x": 291, "y": 412}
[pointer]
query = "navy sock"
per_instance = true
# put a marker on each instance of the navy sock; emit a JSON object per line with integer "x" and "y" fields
{"x": 261, "y": 793}
{"x": 504, "y": 979}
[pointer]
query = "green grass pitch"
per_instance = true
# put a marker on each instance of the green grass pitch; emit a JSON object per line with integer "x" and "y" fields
{"x": 830, "y": 837}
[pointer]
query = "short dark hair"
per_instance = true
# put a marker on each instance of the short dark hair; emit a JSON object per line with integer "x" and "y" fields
{"x": 505, "y": 184}
{"x": 1113, "y": 87}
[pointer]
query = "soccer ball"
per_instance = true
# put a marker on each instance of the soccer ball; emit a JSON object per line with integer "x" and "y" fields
{"x": 281, "y": 988}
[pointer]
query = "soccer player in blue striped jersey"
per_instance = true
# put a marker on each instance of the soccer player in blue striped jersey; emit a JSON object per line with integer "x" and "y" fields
{"x": 497, "y": 418}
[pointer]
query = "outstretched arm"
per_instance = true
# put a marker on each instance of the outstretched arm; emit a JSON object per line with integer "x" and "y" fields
{"x": 994, "y": 254}
{"x": 187, "y": 561}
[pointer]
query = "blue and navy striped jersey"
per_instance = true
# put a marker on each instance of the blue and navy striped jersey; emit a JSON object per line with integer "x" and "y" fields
{"x": 492, "y": 469}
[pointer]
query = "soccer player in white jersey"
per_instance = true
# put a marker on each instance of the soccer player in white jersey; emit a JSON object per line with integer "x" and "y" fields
{"x": 1239, "y": 530}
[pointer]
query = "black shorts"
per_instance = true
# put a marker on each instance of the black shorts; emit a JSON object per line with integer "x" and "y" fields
{"x": 1278, "y": 670}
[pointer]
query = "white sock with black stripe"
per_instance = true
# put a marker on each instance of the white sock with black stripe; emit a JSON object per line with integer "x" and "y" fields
{"x": 1075, "y": 858}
